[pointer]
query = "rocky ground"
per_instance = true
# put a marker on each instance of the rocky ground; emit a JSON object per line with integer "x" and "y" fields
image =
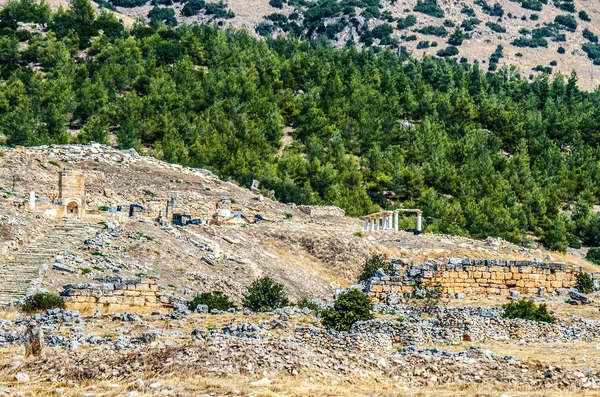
{"x": 402, "y": 352}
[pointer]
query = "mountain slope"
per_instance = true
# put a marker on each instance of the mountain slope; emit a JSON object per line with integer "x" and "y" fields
{"x": 484, "y": 26}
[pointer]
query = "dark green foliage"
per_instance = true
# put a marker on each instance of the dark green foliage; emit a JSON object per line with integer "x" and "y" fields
{"x": 468, "y": 11}
{"x": 534, "y": 5}
{"x": 407, "y": 22}
{"x": 495, "y": 58}
{"x": 555, "y": 238}
{"x": 593, "y": 255}
{"x": 422, "y": 45}
{"x": 534, "y": 17}
{"x": 162, "y": 15}
{"x": 470, "y": 24}
{"x": 568, "y": 6}
{"x": 592, "y": 49}
{"x": 449, "y": 51}
{"x": 495, "y": 27}
{"x": 307, "y": 303}
{"x": 584, "y": 283}
{"x": 527, "y": 42}
{"x": 434, "y": 31}
{"x": 584, "y": 16}
{"x": 457, "y": 37}
{"x": 589, "y": 35}
{"x": 345, "y": 108}
{"x": 374, "y": 263}
{"x": 193, "y": 7}
{"x": 528, "y": 310}
{"x": 23, "y": 11}
{"x": 214, "y": 300}
{"x": 429, "y": 7}
{"x": 265, "y": 295}
{"x": 495, "y": 10}
{"x": 42, "y": 301}
{"x": 561, "y": 50}
{"x": 129, "y": 3}
{"x": 350, "y": 307}
{"x": 276, "y": 3}
{"x": 568, "y": 21}
{"x": 553, "y": 63}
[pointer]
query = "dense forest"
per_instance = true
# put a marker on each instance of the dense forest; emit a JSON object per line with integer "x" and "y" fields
{"x": 482, "y": 153}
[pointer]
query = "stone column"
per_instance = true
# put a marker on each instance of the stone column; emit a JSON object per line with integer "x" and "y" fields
{"x": 366, "y": 226}
{"x": 371, "y": 224}
{"x": 32, "y": 200}
{"x": 396, "y": 220}
{"x": 390, "y": 217}
{"x": 376, "y": 223}
{"x": 419, "y": 225}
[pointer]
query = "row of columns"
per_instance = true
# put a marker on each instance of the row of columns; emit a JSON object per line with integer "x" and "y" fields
{"x": 388, "y": 220}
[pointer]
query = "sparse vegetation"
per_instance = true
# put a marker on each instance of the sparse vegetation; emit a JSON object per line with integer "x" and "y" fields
{"x": 351, "y": 306}
{"x": 584, "y": 283}
{"x": 495, "y": 27}
{"x": 527, "y": 310}
{"x": 373, "y": 263}
{"x": 593, "y": 255}
{"x": 42, "y": 301}
{"x": 426, "y": 297}
{"x": 429, "y": 7}
{"x": 214, "y": 300}
{"x": 307, "y": 303}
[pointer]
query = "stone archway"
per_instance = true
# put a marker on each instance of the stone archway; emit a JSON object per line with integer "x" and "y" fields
{"x": 72, "y": 209}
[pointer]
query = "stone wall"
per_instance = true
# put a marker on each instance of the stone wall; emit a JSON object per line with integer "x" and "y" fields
{"x": 316, "y": 210}
{"x": 480, "y": 277}
{"x": 117, "y": 293}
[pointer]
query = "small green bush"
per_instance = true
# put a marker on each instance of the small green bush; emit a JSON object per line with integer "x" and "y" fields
{"x": 584, "y": 283}
{"x": 265, "y": 295}
{"x": 214, "y": 300}
{"x": 527, "y": 310}
{"x": 584, "y": 16}
{"x": 42, "y": 301}
{"x": 350, "y": 307}
{"x": 372, "y": 264}
{"x": 593, "y": 255}
{"x": 305, "y": 302}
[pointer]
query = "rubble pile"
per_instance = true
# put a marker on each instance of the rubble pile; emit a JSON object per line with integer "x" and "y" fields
{"x": 111, "y": 156}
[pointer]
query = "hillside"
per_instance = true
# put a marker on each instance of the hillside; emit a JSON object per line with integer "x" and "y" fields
{"x": 311, "y": 256}
{"x": 531, "y": 38}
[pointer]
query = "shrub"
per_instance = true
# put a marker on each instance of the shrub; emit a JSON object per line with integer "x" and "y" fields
{"x": 553, "y": 63}
{"x": 457, "y": 37}
{"x": 584, "y": 16}
{"x": 407, "y": 22}
{"x": 449, "y": 51}
{"x": 527, "y": 42}
{"x": 434, "y": 31}
{"x": 568, "y": 21}
{"x": 584, "y": 283}
{"x": 265, "y": 295}
{"x": 350, "y": 307}
{"x": 468, "y": 11}
{"x": 533, "y": 5}
{"x": 427, "y": 296}
{"x": 429, "y": 7}
{"x": 42, "y": 301}
{"x": 305, "y": 302}
{"x": 214, "y": 300}
{"x": 372, "y": 264}
{"x": 534, "y": 17}
{"x": 495, "y": 27}
{"x": 276, "y": 3}
{"x": 470, "y": 24}
{"x": 561, "y": 50}
{"x": 527, "y": 310}
{"x": 422, "y": 45}
{"x": 593, "y": 255}
{"x": 589, "y": 35}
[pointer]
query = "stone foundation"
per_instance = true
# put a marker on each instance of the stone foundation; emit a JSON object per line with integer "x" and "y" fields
{"x": 118, "y": 293}
{"x": 480, "y": 277}
{"x": 317, "y": 210}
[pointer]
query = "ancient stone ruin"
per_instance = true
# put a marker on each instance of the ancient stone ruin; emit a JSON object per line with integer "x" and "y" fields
{"x": 116, "y": 293}
{"x": 479, "y": 277}
{"x": 388, "y": 220}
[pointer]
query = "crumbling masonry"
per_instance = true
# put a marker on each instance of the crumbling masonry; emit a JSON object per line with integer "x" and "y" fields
{"x": 473, "y": 277}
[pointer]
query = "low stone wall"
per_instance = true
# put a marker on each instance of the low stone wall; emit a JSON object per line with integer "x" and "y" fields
{"x": 316, "y": 210}
{"x": 117, "y": 293}
{"x": 474, "y": 277}
{"x": 341, "y": 340}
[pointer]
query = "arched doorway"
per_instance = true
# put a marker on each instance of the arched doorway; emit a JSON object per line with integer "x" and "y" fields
{"x": 73, "y": 209}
